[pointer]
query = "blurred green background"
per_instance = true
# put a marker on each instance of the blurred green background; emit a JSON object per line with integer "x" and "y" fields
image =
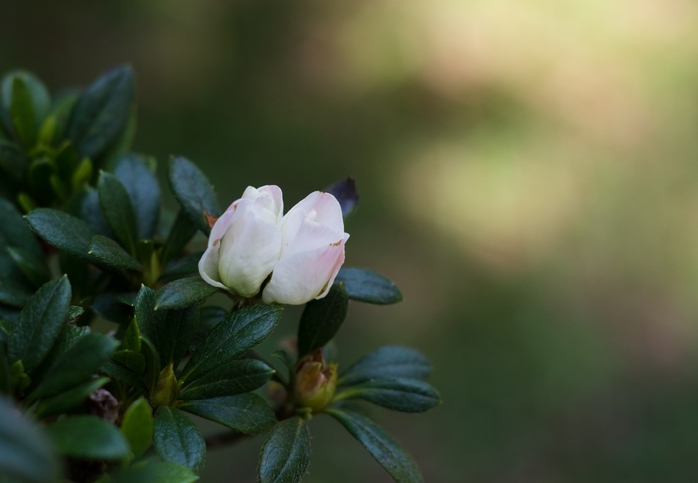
{"x": 529, "y": 177}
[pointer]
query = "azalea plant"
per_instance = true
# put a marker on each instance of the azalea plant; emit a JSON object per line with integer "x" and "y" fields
{"x": 108, "y": 339}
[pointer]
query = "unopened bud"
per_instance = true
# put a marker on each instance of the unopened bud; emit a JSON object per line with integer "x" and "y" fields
{"x": 316, "y": 382}
{"x": 166, "y": 390}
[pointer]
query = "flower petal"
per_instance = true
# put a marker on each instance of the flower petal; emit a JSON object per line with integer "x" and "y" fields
{"x": 208, "y": 267}
{"x": 307, "y": 275}
{"x": 248, "y": 252}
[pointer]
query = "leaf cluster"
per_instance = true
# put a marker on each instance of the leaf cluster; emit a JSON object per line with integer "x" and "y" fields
{"x": 84, "y": 238}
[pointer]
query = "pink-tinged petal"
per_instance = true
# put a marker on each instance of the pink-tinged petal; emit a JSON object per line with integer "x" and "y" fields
{"x": 221, "y": 226}
{"x": 326, "y": 207}
{"x": 310, "y": 235}
{"x": 302, "y": 277}
{"x": 208, "y": 267}
{"x": 278, "y": 198}
{"x": 249, "y": 250}
{"x": 335, "y": 270}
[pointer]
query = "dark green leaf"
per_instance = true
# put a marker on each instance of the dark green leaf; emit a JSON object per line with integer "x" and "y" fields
{"x": 321, "y": 320}
{"x": 345, "y": 192}
{"x": 76, "y": 364}
{"x": 235, "y": 377}
{"x": 67, "y": 161}
{"x": 232, "y": 337}
{"x": 183, "y": 293}
{"x": 123, "y": 374}
{"x": 88, "y": 437}
{"x": 12, "y": 160}
{"x": 85, "y": 205}
{"x": 39, "y": 95}
{"x": 169, "y": 330}
{"x": 152, "y": 363}
{"x": 178, "y": 440}
{"x": 70, "y": 399}
{"x": 388, "y": 452}
{"x": 130, "y": 359}
{"x": 193, "y": 192}
{"x": 187, "y": 265}
{"x": 402, "y": 394}
{"x": 286, "y": 453}
{"x": 22, "y": 112}
{"x": 63, "y": 231}
{"x": 123, "y": 143}
{"x": 368, "y": 286}
{"x": 102, "y": 112}
{"x": 109, "y": 307}
{"x": 137, "y": 426}
{"x": 110, "y": 253}
{"x": 40, "y": 172}
{"x": 211, "y": 316}
{"x": 247, "y": 413}
{"x": 144, "y": 191}
{"x": 40, "y": 323}
{"x": 12, "y": 294}
{"x": 386, "y": 363}
{"x": 118, "y": 210}
{"x": 14, "y": 231}
{"x": 36, "y": 270}
{"x": 153, "y": 472}
{"x": 26, "y": 455}
{"x": 132, "y": 337}
{"x": 181, "y": 233}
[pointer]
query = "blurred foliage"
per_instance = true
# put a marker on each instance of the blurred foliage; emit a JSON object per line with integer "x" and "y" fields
{"x": 528, "y": 178}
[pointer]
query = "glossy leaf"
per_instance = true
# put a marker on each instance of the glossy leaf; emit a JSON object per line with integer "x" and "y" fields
{"x": 85, "y": 205}
{"x": 63, "y": 231}
{"x": 70, "y": 399}
{"x": 120, "y": 373}
{"x": 235, "y": 377}
{"x": 170, "y": 331}
{"x": 385, "y": 363}
{"x": 15, "y": 232}
{"x": 76, "y": 364}
{"x": 247, "y": 413}
{"x": 193, "y": 192}
{"x": 71, "y": 435}
{"x": 322, "y": 319}
{"x": 178, "y": 440}
{"x": 365, "y": 285}
{"x": 102, "y": 111}
{"x": 183, "y": 293}
{"x": 286, "y": 453}
{"x": 26, "y": 455}
{"x": 110, "y": 253}
{"x": 231, "y": 338}
{"x": 118, "y": 210}
{"x": 386, "y": 451}
{"x": 144, "y": 191}
{"x": 402, "y": 394}
{"x": 40, "y": 323}
{"x": 137, "y": 426}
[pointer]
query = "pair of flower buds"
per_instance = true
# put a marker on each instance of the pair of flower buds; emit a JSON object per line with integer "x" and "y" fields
{"x": 302, "y": 251}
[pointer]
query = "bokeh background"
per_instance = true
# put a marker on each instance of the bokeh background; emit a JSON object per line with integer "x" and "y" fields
{"x": 528, "y": 172}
